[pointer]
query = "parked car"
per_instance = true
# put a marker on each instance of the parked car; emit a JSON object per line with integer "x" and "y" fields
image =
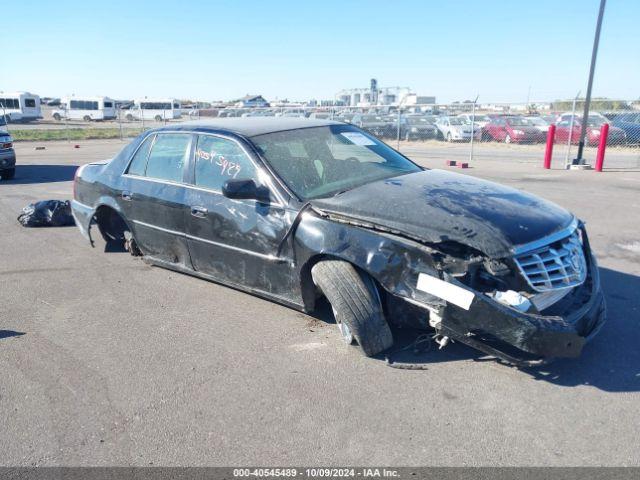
{"x": 294, "y": 210}
{"x": 630, "y": 124}
{"x": 565, "y": 129}
{"x": 7, "y": 154}
{"x": 418, "y": 127}
{"x": 479, "y": 119}
{"x": 345, "y": 116}
{"x": 512, "y": 130}
{"x": 375, "y": 124}
{"x": 540, "y": 123}
{"x": 455, "y": 129}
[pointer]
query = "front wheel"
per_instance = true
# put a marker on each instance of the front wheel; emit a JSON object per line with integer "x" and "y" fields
{"x": 57, "y": 117}
{"x": 129, "y": 117}
{"x": 356, "y": 305}
{"x": 158, "y": 118}
{"x": 86, "y": 118}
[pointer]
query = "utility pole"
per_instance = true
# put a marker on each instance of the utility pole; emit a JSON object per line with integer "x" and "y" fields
{"x": 473, "y": 124}
{"x": 587, "y": 101}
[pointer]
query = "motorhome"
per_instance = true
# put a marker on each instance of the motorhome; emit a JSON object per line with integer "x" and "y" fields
{"x": 158, "y": 109}
{"x": 85, "y": 108}
{"x": 20, "y": 106}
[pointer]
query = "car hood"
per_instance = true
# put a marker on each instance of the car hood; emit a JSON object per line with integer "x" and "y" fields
{"x": 435, "y": 206}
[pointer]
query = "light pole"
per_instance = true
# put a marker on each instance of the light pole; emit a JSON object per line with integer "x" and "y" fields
{"x": 587, "y": 101}
{"x": 473, "y": 122}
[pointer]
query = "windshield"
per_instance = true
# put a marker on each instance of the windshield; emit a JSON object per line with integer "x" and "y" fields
{"x": 519, "y": 122}
{"x": 457, "y": 121}
{"x": 322, "y": 161}
{"x": 421, "y": 120}
{"x": 537, "y": 121}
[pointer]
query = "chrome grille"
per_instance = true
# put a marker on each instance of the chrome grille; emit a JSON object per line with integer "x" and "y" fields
{"x": 560, "y": 264}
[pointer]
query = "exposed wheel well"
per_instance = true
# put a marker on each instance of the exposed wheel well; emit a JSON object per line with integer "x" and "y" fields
{"x": 111, "y": 224}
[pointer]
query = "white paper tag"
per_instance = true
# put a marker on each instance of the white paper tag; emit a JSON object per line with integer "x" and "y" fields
{"x": 357, "y": 138}
{"x": 445, "y": 290}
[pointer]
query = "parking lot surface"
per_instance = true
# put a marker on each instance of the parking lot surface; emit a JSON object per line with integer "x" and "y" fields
{"x": 108, "y": 361}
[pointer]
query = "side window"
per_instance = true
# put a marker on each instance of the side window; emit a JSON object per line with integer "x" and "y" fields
{"x": 218, "y": 160}
{"x": 168, "y": 156}
{"x": 139, "y": 162}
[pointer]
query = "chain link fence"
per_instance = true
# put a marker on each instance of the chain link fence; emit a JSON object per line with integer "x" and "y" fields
{"x": 464, "y": 132}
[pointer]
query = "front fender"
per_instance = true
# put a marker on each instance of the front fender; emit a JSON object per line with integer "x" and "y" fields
{"x": 394, "y": 262}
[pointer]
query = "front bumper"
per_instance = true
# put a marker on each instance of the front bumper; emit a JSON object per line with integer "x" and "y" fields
{"x": 7, "y": 159}
{"x": 526, "y": 339}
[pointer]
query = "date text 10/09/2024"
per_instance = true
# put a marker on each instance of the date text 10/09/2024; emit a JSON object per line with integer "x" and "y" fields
{"x": 316, "y": 472}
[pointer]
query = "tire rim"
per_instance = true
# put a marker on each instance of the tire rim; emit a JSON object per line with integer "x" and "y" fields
{"x": 507, "y": 139}
{"x": 345, "y": 331}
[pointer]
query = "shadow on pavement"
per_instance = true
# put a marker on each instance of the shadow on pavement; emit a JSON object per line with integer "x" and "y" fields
{"x": 10, "y": 333}
{"x": 30, "y": 174}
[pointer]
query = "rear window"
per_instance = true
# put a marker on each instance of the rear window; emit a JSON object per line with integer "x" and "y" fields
{"x": 168, "y": 157}
{"x": 30, "y": 102}
{"x": 108, "y": 104}
{"x": 139, "y": 162}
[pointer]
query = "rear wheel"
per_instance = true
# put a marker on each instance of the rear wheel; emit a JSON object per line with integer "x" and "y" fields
{"x": 86, "y": 118}
{"x": 129, "y": 117}
{"x": 356, "y": 305}
{"x": 158, "y": 118}
{"x": 8, "y": 174}
{"x": 57, "y": 117}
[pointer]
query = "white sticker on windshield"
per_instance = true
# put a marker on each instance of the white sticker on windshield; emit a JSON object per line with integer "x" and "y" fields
{"x": 357, "y": 138}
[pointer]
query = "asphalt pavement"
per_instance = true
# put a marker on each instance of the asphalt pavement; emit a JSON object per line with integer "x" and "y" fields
{"x": 108, "y": 361}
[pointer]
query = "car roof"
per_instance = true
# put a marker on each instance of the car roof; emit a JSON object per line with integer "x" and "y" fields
{"x": 252, "y": 126}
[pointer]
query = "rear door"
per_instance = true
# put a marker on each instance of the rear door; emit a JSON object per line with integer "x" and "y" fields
{"x": 154, "y": 196}
{"x": 234, "y": 241}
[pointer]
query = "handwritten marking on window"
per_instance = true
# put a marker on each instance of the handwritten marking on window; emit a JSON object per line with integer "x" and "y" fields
{"x": 228, "y": 168}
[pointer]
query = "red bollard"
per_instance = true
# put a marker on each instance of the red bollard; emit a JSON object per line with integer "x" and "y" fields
{"x": 549, "y": 150}
{"x": 602, "y": 146}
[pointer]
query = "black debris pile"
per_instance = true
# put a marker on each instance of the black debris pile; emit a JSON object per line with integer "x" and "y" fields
{"x": 47, "y": 213}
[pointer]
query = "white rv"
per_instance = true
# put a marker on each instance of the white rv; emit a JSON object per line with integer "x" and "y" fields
{"x": 20, "y": 106}
{"x": 85, "y": 108}
{"x": 158, "y": 109}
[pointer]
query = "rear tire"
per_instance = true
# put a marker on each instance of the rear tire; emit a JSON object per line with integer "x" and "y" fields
{"x": 129, "y": 117}
{"x": 57, "y": 117}
{"x": 356, "y": 304}
{"x": 158, "y": 118}
{"x": 8, "y": 174}
{"x": 86, "y": 118}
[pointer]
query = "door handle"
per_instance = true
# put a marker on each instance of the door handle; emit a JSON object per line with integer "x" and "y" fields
{"x": 199, "y": 211}
{"x": 127, "y": 196}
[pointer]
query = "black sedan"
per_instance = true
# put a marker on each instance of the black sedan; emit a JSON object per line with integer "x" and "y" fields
{"x": 298, "y": 209}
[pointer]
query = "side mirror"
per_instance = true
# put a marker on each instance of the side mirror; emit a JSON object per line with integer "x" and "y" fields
{"x": 245, "y": 190}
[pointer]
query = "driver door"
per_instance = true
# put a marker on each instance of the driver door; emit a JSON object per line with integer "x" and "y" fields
{"x": 234, "y": 241}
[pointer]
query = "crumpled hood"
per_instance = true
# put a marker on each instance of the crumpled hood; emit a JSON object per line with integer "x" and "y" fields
{"x": 435, "y": 206}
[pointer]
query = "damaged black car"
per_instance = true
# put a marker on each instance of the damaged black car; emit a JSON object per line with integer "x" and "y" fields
{"x": 294, "y": 210}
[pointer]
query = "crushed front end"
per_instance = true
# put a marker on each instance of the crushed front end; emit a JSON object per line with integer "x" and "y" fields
{"x": 543, "y": 302}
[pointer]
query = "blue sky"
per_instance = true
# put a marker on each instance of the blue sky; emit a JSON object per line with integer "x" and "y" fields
{"x": 310, "y": 49}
